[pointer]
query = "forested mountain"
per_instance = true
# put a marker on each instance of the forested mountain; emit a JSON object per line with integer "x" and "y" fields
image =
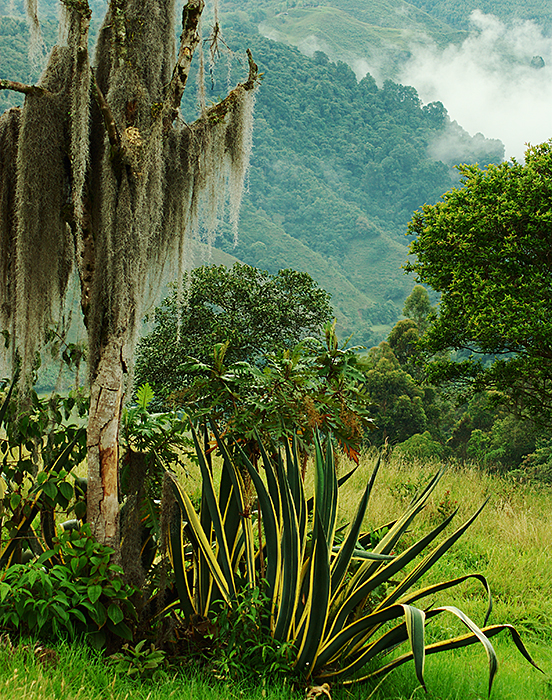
{"x": 338, "y": 165}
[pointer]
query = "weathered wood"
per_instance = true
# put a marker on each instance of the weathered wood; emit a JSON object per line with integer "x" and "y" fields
{"x": 20, "y": 87}
{"x": 106, "y": 401}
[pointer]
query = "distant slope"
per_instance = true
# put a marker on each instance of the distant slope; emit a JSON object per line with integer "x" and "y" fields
{"x": 456, "y": 14}
{"x": 338, "y": 166}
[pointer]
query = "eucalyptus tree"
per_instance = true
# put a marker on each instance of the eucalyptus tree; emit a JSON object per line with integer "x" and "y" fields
{"x": 98, "y": 171}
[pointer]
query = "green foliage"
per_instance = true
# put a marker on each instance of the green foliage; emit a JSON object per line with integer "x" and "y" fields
{"x": 422, "y": 446}
{"x": 485, "y": 247}
{"x": 418, "y": 307}
{"x": 244, "y": 649}
{"x": 316, "y": 385}
{"x": 72, "y": 589}
{"x": 339, "y": 604}
{"x": 254, "y": 312}
{"x": 39, "y": 449}
{"x": 397, "y": 401}
{"x": 141, "y": 662}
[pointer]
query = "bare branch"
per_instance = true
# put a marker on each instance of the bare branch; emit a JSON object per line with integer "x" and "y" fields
{"x": 21, "y": 87}
{"x": 189, "y": 39}
{"x": 254, "y": 76}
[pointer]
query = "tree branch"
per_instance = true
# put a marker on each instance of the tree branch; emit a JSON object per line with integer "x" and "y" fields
{"x": 189, "y": 39}
{"x": 21, "y": 87}
{"x": 219, "y": 111}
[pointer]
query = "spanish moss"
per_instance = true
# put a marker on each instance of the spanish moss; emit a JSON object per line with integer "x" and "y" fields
{"x": 109, "y": 179}
{"x": 36, "y": 45}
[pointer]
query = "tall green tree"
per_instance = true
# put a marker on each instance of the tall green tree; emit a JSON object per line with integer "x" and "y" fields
{"x": 486, "y": 248}
{"x": 98, "y": 171}
{"x": 252, "y": 311}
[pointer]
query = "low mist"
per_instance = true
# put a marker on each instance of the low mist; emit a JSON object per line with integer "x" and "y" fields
{"x": 497, "y": 82}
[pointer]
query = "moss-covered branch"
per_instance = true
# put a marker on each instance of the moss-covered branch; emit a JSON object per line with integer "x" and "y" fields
{"x": 189, "y": 39}
{"x": 20, "y": 87}
{"x": 109, "y": 119}
{"x": 217, "y": 112}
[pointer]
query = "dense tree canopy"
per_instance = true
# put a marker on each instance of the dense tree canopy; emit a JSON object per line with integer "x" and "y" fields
{"x": 486, "y": 248}
{"x": 254, "y": 312}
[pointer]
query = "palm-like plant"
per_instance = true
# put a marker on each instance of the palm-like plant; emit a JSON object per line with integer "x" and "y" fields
{"x": 322, "y": 595}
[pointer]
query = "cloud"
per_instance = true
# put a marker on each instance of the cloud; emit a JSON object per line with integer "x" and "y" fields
{"x": 497, "y": 82}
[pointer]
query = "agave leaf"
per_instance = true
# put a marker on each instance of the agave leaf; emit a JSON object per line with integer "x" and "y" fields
{"x": 178, "y": 561}
{"x": 237, "y": 492}
{"x": 342, "y": 480}
{"x": 355, "y": 598}
{"x": 363, "y": 554}
{"x": 454, "y": 643}
{"x": 347, "y": 549}
{"x": 415, "y": 625}
{"x": 291, "y": 560}
{"x": 433, "y": 557}
{"x": 209, "y": 499}
{"x": 388, "y": 541}
{"x": 271, "y": 481}
{"x": 189, "y": 514}
{"x": 272, "y": 531}
{"x": 325, "y": 489}
{"x": 317, "y": 603}
{"x": 296, "y": 487}
{"x": 443, "y": 585}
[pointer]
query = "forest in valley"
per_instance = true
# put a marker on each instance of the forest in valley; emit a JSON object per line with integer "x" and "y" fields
{"x": 275, "y": 388}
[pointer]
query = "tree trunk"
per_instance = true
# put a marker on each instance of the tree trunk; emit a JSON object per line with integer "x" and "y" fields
{"x": 106, "y": 400}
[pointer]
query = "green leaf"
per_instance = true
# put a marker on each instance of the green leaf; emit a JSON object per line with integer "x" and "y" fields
{"x": 144, "y": 395}
{"x": 115, "y": 614}
{"x": 94, "y": 592}
{"x": 66, "y": 490}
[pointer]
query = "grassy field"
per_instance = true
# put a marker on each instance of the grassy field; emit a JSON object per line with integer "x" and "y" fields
{"x": 510, "y": 544}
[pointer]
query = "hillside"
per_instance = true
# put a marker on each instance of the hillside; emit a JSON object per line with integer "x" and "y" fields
{"x": 338, "y": 167}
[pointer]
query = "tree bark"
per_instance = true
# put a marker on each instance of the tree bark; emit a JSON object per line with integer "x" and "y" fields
{"x": 106, "y": 401}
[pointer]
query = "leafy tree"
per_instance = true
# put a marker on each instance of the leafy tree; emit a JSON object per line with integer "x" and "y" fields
{"x": 486, "y": 248}
{"x": 253, "y": 312}
{"x": 418, "y": 307}
{"x": 403, "y": 341}
{"x": 397, "y": 402}
{"x": 313, "y": 387}
{"x": 98, "y": 171}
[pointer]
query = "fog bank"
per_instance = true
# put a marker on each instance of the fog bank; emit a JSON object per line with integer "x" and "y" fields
{"x": 497, "y": 82}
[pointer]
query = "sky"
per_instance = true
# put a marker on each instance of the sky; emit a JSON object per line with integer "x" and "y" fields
{"x": 488, "y": 83}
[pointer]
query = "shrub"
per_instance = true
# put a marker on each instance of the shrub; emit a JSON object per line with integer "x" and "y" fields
{"x": 423, "y": 447}
{"x": 71, "y": 590}
{"x": 333, "y": 599}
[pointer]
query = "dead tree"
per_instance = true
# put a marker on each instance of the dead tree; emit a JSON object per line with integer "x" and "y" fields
{"x": 99, "y": 172}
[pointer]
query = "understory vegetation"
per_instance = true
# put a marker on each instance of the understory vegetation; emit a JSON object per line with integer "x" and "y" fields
{"x": 252, "y": 579}
{"x": 507, "y": 543}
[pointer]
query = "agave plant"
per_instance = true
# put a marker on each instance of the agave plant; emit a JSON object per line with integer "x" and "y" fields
{"x": 322, "y": 594}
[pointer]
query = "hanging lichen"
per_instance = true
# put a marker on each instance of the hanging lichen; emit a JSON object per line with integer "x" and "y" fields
{"x": 9, "y": 134}
{"x": 36, "y": 45}
{"x": 117, "y": 184}
{"x": 44, "y": 250}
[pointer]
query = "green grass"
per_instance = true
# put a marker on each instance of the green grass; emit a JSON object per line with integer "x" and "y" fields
{"x": 510, "y": 544}
{"x": 80, "y": 674}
